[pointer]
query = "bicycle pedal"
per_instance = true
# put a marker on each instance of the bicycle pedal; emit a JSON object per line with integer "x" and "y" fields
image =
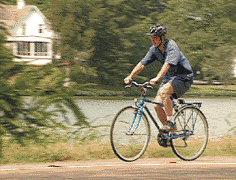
{"x": 168, "y": 144}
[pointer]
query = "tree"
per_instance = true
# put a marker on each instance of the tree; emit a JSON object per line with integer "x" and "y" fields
{"x": 201, "y": 28}
{"x": 119, "y": 41}
{"x": 102, "y": 33}
{"x": 69, "y": 20}
{"x": 219, "y": 66}
{"x": 21, "y": 118}
{"x": 110, "y": 35}
{"x": 8, "y": 100}
{"x": 105, "y": 42}
{"x": 134, "y": 20}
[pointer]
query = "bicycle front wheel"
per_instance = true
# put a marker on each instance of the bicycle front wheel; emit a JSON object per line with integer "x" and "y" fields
{"x": 191, "y": 133}
{"x": 130, "y": 134}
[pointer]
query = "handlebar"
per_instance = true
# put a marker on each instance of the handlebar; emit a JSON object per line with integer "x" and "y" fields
{"x": 144, "y": 85}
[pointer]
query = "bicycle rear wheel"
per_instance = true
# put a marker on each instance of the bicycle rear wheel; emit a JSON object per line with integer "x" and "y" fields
{"x": 193, "y": 127}
{"x": 129, "y": 134}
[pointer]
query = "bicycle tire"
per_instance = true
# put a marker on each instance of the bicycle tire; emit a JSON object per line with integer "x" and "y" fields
{"x": 190, "y": 122}
{"x": 126, "y": 146}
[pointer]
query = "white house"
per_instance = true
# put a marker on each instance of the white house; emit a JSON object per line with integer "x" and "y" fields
{"x": 30, "y": 34}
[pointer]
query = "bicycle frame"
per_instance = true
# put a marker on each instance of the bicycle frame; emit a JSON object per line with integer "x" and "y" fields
{"x": 148, "y": 111}
{"x": 142, "y": 106}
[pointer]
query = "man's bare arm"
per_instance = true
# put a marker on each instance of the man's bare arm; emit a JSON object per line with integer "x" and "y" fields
{"x": 161, "y": 74}
{"x": 138, "y": 68}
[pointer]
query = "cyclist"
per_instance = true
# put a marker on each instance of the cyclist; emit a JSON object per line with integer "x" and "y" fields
{"x": 176, "y": 72}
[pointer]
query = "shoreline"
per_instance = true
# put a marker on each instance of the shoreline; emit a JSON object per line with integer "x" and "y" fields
{"x": 196, "y": 91}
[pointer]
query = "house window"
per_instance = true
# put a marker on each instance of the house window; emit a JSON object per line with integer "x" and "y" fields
{"x": 24, "y": 29}
{"x": 40, "y": 28}
{"x": 41, "y": 48}
{"x": 23, "y": 48}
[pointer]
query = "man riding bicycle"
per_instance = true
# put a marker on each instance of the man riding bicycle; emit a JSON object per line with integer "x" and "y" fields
{"x": 176, "y": 72}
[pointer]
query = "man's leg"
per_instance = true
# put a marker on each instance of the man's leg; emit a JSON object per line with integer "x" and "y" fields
{"x": 165, "y": 91}
{"x": 164, "y": 97}
{"x": 166, "y": 116}
{"x": 160, "y": 111}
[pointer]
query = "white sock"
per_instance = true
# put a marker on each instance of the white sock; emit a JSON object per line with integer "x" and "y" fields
{"x": 170, "y": 118}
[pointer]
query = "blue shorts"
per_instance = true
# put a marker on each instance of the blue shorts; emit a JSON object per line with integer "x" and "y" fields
{"x": 180, "y": 87}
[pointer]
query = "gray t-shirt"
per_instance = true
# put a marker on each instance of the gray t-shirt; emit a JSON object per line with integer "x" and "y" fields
{"x": 180, "y": 67}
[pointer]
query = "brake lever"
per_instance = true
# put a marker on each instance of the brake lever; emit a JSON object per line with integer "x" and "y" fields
{"x": 150, "y": 86}
{"x": 128, "y": 86}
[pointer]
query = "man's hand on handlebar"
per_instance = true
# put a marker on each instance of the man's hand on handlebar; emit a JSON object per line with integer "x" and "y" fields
{"x": 127, "y": 80}
{"x": 154, "y": 81}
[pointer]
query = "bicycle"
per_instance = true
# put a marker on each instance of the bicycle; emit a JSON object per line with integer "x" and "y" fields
{"x": 130, "y": 130}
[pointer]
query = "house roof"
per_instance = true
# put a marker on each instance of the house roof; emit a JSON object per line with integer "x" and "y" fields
{"x": 11, "y": 15}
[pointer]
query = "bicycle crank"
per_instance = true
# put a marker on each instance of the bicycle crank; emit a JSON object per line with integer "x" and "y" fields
{"x": 163, "y": 139}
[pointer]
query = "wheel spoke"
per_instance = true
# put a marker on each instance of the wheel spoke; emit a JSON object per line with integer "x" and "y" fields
{"x": 192, "y": 124}
{"x": 130, "y": 134}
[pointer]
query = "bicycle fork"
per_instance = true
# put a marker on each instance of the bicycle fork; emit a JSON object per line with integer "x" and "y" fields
{"x": 132, "y": 128}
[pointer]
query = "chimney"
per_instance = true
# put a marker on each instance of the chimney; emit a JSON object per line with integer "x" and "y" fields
{"x": 20, "y": 4}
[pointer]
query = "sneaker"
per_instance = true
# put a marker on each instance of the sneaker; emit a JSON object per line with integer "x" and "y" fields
{"x": 169, "y": 127}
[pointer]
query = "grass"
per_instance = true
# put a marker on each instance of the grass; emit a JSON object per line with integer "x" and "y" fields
{"x": 197, "y": 91}
{"x": 224, "y": 146}
{"x": 212, "y": 91}
{"x": 14, "y": 153}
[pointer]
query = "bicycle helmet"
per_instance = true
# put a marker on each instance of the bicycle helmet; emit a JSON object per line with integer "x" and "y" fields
{"x": 157, "y": 30}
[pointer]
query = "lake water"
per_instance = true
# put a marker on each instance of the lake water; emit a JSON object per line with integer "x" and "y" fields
{"x": 217, "y": 111}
